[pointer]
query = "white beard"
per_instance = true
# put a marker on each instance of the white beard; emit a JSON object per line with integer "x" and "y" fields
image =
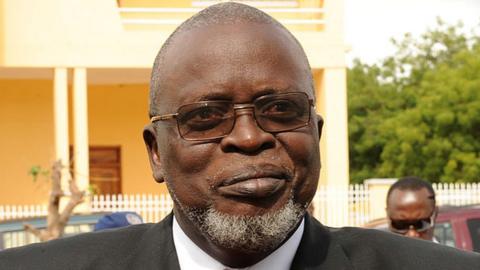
{"x": 250, "y": 234}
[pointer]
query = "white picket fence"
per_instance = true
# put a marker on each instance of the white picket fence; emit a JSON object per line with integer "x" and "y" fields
{"x": 333, "y": 206}
{"x": 9, "y": 212}
{"x": 457, "y": 194}
{"x": 152, "y": 208}
{"x": 336, "y": 206}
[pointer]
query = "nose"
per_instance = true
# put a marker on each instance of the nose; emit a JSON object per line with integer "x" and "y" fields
{"x": 247, "y": 136}
{"x": 412, "y": 233}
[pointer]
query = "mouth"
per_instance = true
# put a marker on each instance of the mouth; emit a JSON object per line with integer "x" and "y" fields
{"x": 255, "y": 182}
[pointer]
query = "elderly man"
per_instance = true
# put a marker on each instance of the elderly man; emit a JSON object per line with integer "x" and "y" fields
{"x": 411, "y": 208}
{"x": 235, "y": 137}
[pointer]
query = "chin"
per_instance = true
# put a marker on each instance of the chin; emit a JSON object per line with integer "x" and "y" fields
{"x": 250, "y": 234}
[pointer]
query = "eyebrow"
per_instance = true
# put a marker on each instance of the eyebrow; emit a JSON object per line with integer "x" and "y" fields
{"x": 268, "y": 91}
{"x": 214, "y": 96}
{"x": 229, "y": 95}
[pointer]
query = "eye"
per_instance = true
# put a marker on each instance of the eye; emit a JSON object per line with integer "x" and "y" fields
{"x": 281, "y": 109}
{"x": 205, "y": 114}
{"x": 202, "y": 118}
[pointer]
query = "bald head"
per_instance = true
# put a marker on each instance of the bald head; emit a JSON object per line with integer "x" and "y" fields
{"x": 411, "y": 208}
{"x": 221, "y": 14}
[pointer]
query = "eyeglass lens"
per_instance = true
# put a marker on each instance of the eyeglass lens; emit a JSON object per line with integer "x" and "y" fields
{"x": 215, "y": 119}
{"x": 402, "y": 226}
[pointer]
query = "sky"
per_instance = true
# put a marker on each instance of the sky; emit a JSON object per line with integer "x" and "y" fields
{"x": 370, "y": 24}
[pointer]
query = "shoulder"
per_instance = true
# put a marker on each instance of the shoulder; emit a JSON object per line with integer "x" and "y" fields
{"x": 96, "y": 250}
{"x": 398, "y": 252}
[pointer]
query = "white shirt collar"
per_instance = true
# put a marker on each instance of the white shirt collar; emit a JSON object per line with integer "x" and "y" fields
{"x": 190, "y": 256}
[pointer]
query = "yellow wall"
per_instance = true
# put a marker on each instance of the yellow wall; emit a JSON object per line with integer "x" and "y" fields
{"x": 117, "y": 115}
{"x": 26, "y": 138}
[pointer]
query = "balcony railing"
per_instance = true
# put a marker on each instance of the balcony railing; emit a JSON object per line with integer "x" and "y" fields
{"x": 175, "y": 16}
{"x": 258, "y": 3}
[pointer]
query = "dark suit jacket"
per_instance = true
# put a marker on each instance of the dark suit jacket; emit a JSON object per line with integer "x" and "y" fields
{"x": 150, "y": 246}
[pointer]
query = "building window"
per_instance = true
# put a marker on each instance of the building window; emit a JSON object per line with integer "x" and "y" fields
{"x": 105, "y": 169}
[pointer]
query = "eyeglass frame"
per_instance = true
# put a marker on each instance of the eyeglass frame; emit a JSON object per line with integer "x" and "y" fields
{"x": 236, "y": 106}
{"x": 432, "y": 224}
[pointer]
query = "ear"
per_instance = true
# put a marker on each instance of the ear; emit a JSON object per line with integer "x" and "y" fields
{"x": 150, "y": 138}
{"x": 319, "y": 125}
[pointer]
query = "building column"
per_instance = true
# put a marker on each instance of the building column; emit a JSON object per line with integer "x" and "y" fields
{"x": 80, "y": 128}
{"x": 332, "y": 105}
{"x": 60, "y": 114}
{"x": 335, "y": 131}
{"x": 334, "y": 177}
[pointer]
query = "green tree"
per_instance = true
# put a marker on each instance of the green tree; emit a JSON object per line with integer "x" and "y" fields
{"x": 418, "y": 111}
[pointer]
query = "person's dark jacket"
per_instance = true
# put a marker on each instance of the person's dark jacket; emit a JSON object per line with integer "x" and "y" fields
{"x": 150, "y": 246}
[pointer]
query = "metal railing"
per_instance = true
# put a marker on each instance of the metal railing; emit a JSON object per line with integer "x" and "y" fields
{"x": 258, "y": 3}
{"x": 185, "y": 12}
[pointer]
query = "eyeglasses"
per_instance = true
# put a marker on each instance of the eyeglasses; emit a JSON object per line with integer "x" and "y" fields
{"x": 419, "y": 225}
{"x": 209, "y": 120}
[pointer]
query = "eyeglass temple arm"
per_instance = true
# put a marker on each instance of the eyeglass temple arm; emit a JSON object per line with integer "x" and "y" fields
{"x": 163, "y": 117}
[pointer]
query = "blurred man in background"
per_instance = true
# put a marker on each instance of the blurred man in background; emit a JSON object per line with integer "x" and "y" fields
{"x": 411, "y": 208}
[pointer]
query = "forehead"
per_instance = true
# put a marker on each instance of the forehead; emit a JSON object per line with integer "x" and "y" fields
{"x": 409, "y": 200}
{"x": 232, "y": 62}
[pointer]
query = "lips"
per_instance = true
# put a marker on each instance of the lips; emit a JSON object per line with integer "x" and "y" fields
{"x": 255, "y": 182}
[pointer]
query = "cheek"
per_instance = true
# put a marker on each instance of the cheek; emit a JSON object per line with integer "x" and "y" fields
{"x": 304, "y": 151}
{"x": 180, "y": 157}
{"x": 185, "y": 171}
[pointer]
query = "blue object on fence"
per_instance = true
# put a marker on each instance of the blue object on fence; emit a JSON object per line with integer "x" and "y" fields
{"x": 117, "y": 220}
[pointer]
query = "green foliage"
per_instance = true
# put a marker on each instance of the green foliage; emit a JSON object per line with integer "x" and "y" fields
{"x": 93, "y": 189}
{"x": 418, "y": 111}
{"x": 36, "y": 171}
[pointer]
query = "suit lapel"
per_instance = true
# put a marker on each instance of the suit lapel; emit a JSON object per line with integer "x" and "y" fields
{"x": 156, "y": 250}
{"x": 318, "y": 251}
